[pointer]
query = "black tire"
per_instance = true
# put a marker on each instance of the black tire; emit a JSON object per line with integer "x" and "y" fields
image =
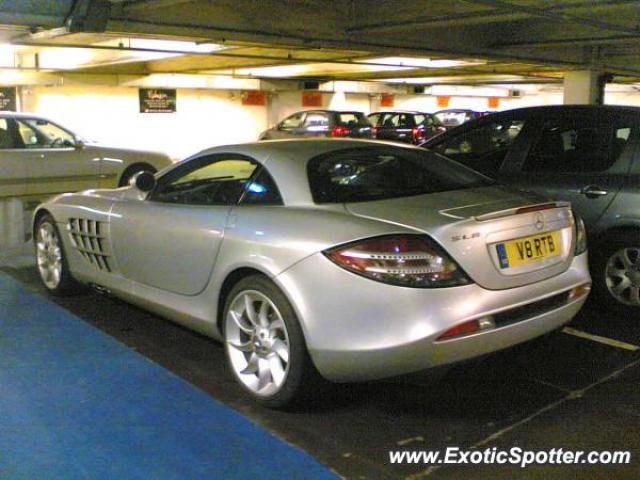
{"x": 607, "y": 253}
{"x": 131, "y": 171}
{"x": 300, "y": 373}
{"x": 66, "y": 285}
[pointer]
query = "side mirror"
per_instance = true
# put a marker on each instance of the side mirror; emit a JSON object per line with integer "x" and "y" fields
{"x": 144, "y": 181}
{"x": 78, "y": 143}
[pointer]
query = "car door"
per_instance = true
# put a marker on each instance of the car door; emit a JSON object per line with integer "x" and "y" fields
{"x": 13, "y": 166}
{"x": 53, "y": 161}
{"x": 581, "y": 158}
{"x": 170, "y": 240}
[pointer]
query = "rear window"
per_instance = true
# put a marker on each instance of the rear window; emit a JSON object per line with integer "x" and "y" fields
{"x": 352, "y": 119}
{"x": 377, "y": 173}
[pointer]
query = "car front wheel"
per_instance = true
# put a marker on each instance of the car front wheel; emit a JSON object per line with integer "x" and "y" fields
{"x": 264, "y": 343}
{"x": 50, "y": 258}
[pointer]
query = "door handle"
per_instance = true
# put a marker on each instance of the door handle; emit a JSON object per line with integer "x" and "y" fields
{"x": 593, "y": 191}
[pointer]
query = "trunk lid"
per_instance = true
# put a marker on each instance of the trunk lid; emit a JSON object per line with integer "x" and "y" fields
{"x": 483, "y": 230}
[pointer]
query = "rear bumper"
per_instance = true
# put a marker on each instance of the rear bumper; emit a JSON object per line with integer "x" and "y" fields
{"x": 358, "y": 329}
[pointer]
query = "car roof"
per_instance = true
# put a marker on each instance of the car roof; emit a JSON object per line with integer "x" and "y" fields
{"x": 414, "y": 112}
{"x": 570, "y": 108}
{"x": 9, "y": 114}
{"x": 286, "y": 160}
{"x": 327, "y": 111}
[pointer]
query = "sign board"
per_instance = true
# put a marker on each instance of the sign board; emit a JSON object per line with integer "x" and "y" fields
{"x": 8, "y": 96}
{"x": 443, "y": 101}
{"x": 386, "y": 100}
{"x": 157, "y": 100}
{"x": 254, "y": 97}
{"x": 311, "y": 99}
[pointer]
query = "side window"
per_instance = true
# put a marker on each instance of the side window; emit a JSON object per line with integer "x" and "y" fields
{"x": 205, "y": 181}
{"x": 483, "y": 148}
{"x": 374, "y": 119}
{"x": 262, "y": 190}
{"x": 35, "y": 133}
{"x": 390, "y": 120}
{"x": 404, "y": 121}
{"x": 577, "y": 147}
{"x": 7, "y": 133}
{"x": 316, "y": 122}
{"x": 294, "y": 121}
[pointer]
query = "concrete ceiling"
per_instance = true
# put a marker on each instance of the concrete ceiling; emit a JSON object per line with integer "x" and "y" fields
{"x": 491, "y": 40}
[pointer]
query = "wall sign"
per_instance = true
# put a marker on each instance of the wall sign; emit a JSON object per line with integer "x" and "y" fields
{"x": 443, "y": 101}
{"x": 493, "y": 102}
{"x": 8, "y": 96}
{"x": 254, "y": 97}
{"x": 157, "y": 100}
{"x": 311, "y": 99}
{"x": 386, "y": 100}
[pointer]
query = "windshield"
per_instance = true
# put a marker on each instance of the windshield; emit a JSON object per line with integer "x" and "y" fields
{"x": 376, "y": 173}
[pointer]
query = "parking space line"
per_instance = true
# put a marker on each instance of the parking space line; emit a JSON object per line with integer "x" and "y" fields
{"x": 597, "y": 338}
{"x": 572, "y": 395}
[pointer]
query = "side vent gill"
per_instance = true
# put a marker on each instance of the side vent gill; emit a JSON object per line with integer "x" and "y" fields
{"x": 88, "y": 237}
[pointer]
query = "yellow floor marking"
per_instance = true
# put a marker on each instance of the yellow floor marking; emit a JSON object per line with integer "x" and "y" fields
{"x": 597, "y": 338}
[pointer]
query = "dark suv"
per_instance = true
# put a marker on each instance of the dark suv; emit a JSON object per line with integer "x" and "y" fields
{"x": 320, "y": 123}
{"x": 408, "y": 127}
{"x": 585, "y": 154}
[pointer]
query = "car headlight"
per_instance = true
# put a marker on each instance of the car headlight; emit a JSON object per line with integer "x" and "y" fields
{"x": 404, "y": 260}
{"x": 581, "y": 235}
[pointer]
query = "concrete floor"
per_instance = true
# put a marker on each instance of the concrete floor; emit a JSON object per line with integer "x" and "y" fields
{"x": 564, "y": 391}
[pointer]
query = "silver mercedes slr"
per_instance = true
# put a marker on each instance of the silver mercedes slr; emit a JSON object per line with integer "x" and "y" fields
{"x": 350, "y": 259}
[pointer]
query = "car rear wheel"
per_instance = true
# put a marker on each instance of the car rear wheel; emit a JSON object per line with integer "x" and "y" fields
{"x": 616, "y": 271}
{"x": 264, "y": 343}
{"x": 50, "y": 259}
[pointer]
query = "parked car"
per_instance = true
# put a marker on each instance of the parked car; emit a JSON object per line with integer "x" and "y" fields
{"x": 39, "y": 158}
{"x": 320, "y": 123}
{"x": 587, "y": 155}
{"x": 355, "y": 259}
{"x": 407, "y": 127}
{"x": 454, "y": 117}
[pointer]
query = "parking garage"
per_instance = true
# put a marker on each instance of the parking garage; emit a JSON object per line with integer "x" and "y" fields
{"x": 135, "y": 374}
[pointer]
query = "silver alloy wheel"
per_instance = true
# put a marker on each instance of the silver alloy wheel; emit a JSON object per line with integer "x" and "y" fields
{"x": 257, "y": 343}
{"x": 49, "y": 255}
{"x": 623, "y": 275}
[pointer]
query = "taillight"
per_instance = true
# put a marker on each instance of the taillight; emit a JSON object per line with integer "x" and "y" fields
{"x": 404, "y": 260}
{"x": 417, "y": 133}
{"x": 374, "y": 132}
{"x": 581, "y": 235}
{"x": 340, "y": 131}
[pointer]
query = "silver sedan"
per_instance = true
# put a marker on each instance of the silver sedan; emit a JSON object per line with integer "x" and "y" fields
{"x": 349, "y": 259}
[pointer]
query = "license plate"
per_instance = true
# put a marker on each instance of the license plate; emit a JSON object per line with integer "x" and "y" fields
{"x": 529, "y": 249}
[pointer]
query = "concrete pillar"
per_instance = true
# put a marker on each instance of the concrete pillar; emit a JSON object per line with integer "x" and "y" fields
{"x": 12, "y": 225}
{"x": 584, "y": 87}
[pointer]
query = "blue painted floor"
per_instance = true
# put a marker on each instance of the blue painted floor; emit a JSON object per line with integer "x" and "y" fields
{"x": 75, "y": 403}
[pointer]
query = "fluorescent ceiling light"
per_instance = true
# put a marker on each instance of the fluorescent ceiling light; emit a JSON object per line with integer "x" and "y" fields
{"x": 449, "y": 79}
{"x": 7, "y": 55}
{"x": 177, "y": 46}
{"x": 421, "y": 62}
